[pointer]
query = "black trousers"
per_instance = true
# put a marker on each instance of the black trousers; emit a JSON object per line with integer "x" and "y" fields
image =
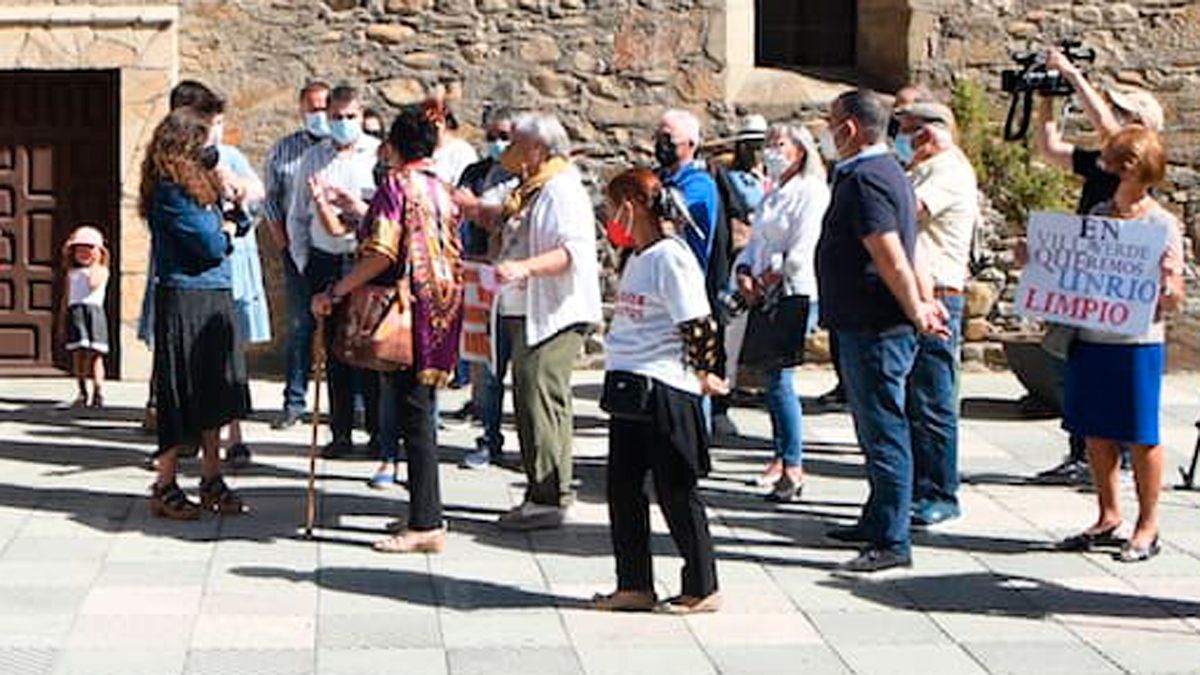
{"x": 324, "y": 270}
{"x": 409, "y": 405}
{"x": 635, "y": 448}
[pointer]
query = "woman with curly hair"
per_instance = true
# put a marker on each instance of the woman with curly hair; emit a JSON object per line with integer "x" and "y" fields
{"x": 199, "y": 365}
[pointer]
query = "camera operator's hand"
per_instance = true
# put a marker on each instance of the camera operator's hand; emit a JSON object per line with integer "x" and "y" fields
{"x": 1056, "y": 60}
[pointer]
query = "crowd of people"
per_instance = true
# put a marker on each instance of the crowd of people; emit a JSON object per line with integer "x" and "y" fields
{"x": 864, "y": 229}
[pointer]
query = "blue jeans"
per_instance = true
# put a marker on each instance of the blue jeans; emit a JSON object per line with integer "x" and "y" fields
{"x": 298, "y": 351}
{"x": 875, "y": 369}
{"x": 933, "y": 411}
{"x": 489, "y": 394}
{"x": 787, "y": 418}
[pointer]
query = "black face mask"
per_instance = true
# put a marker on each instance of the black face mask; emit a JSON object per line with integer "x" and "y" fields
{"x": 209, "y": 156}
{"x": 665, "y": 152}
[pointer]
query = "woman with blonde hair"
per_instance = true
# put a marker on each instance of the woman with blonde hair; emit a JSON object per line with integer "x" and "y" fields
{"x": 776, "y": 273}
{"x": 1114, "y": 382}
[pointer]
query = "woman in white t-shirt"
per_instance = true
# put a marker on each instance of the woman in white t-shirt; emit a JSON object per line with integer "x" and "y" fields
{"x": 778, "y": 266}
{"x": 662, "y": 353}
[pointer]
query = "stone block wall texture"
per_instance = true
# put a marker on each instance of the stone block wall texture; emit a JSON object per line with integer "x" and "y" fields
{"x": 610, "y": 67}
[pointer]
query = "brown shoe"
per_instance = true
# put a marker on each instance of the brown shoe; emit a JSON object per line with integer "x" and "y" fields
{"x": 215, "y": 495}
{"x": 625, "y": 601}
{"x": 410, "y": 541}
{"x": 168, "y": 501}
{"x": 690, "y": 604}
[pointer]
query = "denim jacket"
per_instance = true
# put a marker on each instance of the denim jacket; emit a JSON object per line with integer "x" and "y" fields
{"x": 190, "y": 249}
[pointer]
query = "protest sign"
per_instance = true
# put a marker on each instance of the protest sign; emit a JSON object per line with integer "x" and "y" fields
{"x": 1092, "y": 272}
{"x": 480, "y": 291}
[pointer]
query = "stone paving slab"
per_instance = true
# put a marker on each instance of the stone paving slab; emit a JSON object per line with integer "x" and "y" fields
{"x": 87, "y": 576}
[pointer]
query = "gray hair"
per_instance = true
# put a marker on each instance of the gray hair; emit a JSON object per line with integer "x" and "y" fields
{"x": 868, "y": 109}
{"x": 801, "y": 137}
{"x": 547, "y": 130}
{"x": 685, "y": 121}
{"x": 498, "y": 115}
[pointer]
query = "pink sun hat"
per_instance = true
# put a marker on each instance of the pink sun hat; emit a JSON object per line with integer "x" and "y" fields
{"x": 85, "y": 236}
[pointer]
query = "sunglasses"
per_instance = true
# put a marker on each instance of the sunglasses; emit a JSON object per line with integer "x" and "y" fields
{"x": 343, "y": 116}
{"x": 499, "y": 136}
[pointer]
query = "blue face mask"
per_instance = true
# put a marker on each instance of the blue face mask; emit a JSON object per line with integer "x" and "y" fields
{"x": 496, "y": 148}
{"x": 345, "y": 132}
{"x": 903, "y": 146}
{"x": 316, "y": 123}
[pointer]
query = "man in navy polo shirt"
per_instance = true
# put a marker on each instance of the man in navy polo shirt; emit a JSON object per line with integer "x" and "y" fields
{"x": 872, "y": 298}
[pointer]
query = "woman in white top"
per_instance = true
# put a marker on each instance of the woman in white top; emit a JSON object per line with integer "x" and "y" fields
{"x": 452, "y": 155}
{"x": 661, "y": 355}
{"x": 778, "y": 267}
{"x": 1113, "y": 383}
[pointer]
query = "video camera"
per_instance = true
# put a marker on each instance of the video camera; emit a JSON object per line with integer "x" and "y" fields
{"x": 1034, "y": 76}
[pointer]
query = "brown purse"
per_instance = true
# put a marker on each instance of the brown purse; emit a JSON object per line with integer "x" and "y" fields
{"x": 373, "y": 328}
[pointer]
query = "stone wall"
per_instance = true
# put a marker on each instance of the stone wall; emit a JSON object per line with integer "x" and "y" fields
{"x": 1147, "y": 43}
{"x": 609, "y": 67}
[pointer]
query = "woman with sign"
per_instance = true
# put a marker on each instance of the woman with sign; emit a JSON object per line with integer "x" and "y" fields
{"x": 1114, "y": 382}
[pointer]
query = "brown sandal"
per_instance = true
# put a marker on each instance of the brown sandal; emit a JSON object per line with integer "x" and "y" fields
{"x": 168, "y": 501}
{"x": 216, "y": 496}
{"x": 691, "y": 604}
{"x": 625, "y": 601}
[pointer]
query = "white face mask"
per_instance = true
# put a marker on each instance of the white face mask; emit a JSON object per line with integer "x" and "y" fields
{"x": 828, "y": 145}
{"x": 775, "y": 163}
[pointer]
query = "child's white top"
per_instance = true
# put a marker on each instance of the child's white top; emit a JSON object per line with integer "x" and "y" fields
{"x": 80, "y": 291}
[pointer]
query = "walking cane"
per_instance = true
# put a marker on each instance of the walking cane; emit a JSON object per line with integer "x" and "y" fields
{"x": 310, "y": 507}
{"x": 1189, "y": 474}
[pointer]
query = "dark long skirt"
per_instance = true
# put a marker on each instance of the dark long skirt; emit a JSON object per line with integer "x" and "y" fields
{"x": 200, "y": 377}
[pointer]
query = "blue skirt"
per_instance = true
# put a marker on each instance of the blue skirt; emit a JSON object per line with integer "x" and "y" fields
{"x": 1114, "y": 391}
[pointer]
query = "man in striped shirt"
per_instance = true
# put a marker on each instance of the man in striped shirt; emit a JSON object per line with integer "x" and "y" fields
{"x": 282, "y": 161}
{"x": 334, "y": 184}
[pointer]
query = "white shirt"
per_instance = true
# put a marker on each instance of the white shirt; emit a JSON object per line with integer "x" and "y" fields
{"x": 660, "y": 288}
{"x": 945, "y": 184}
{"x": 1172, "y": 260}
{"x": 784, "y": 233}
{"x": 80, "y": 291}
{"x": 561, "y": 216}
{"x": 352, "y": 171}
{"x": 450, "y": 160}
{"x": 514, "y": 298}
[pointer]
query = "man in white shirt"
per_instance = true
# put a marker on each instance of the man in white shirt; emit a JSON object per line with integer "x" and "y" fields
{"x": 552, "y": 297}
{"x": 333, "y": 186}
{"x": 947, "y": 211}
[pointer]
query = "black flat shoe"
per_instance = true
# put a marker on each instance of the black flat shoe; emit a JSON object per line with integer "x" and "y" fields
{"x": 1086, "y": 541}
{"x": 1131, "y": 554}
{"x": 238, "y": 456}
{"x": 876, "y": 560}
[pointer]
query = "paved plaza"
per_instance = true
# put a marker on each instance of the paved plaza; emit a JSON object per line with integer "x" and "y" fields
{"x": 90, "y": 583}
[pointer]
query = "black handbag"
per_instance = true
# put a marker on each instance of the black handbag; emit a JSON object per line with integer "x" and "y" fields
{"x": 627, "y": 396}
{"x": 776, "y": 330}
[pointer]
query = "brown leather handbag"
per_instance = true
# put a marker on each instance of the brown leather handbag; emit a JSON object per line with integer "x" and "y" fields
{"x": 373, "y": 328}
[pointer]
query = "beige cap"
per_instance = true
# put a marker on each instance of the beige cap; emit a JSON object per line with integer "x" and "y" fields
{"x": 932, "y": 113}
{"x": 1139, "y": 104}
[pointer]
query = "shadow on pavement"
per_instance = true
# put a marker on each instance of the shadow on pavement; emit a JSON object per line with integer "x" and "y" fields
{"x": 1015, "y": 596}
{"x": 417, "y": 588}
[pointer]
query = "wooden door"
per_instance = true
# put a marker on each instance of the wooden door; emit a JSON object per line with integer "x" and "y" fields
{"x": 58, "y": 167}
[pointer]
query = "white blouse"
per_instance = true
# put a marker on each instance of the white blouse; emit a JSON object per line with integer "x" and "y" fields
{"x": 784, "y": 233}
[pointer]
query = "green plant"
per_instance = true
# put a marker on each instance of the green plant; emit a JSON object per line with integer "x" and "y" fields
{"x": 1007, "y": 172}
